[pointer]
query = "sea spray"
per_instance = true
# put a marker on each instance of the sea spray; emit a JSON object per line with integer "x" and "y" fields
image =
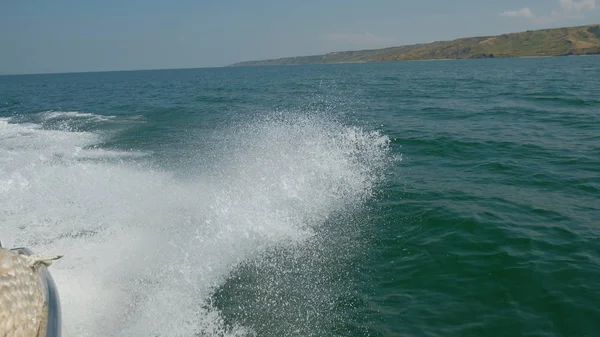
{"x": 145, "y": 250}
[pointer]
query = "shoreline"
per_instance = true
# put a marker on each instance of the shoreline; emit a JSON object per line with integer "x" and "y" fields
{"x": 417, "y": 60}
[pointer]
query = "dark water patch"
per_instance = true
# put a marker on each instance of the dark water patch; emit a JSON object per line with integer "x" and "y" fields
{"x": 482, "y": 257}
{"x": 568, "y": 101}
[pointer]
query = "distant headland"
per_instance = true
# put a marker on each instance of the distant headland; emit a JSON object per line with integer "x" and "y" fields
{"x": 580, "y": 40}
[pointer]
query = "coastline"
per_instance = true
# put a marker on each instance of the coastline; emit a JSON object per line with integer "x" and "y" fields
{"x": 418, "y": 60}
{"x": 566, "y": 41}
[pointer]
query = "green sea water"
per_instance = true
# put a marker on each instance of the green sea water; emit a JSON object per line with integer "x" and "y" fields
{"x": 449, "y": 198}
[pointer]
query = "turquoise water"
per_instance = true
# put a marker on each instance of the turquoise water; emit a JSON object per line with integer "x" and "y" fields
{"x": 450, "y": 198}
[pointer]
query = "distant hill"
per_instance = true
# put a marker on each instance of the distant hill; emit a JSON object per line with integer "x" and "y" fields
{"x": 582, "y": 40}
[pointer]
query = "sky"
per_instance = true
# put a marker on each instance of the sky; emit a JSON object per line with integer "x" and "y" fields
{"x": 49, "y": 36}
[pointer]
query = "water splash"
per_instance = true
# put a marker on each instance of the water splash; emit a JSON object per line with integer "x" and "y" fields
{"x": 144, "y": 249}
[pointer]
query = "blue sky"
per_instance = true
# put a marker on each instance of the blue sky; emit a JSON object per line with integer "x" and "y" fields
{"x": 38, "y": 36}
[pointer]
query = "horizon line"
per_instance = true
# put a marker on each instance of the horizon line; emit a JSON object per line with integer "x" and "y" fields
{"x": 106, "y": 71}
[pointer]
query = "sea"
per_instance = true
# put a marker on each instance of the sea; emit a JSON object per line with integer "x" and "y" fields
{"x": 446, "y": 198}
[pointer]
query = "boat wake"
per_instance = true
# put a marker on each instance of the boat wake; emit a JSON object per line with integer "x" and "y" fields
{"x": 145, "y": 249}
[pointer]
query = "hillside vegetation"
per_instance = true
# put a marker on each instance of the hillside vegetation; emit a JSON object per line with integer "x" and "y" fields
{"x": 582, "y": 40}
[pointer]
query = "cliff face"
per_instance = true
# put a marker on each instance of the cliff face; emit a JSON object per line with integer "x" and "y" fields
{"x": 582, "y": 40}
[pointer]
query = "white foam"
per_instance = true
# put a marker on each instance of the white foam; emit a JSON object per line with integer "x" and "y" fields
{"x": 49, "y": 115}
{"x": 145, "y": 250}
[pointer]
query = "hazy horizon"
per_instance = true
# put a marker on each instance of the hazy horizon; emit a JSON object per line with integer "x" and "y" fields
{"x": 70, "y": 37}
